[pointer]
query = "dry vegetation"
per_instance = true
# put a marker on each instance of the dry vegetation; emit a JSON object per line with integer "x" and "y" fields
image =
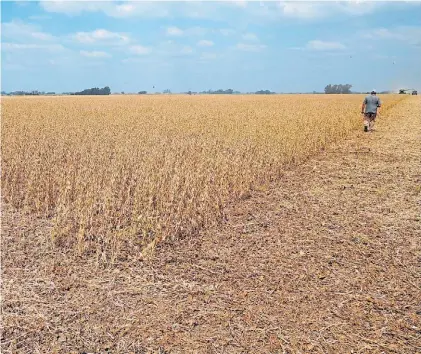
{"x": 325, "y": 259}
{"x": 127, "y": 172}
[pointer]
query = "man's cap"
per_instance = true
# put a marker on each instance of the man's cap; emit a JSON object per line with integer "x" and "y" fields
{"x": 373, "y": 91}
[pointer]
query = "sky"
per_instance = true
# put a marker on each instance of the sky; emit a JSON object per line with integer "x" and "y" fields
{"x": 283, "y": 46}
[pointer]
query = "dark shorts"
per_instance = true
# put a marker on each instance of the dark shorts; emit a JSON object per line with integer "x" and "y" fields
{"x": 370, "y": 115}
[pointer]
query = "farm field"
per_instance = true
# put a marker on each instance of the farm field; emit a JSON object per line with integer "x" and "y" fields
{"x": 278, "y": 225}
{"x": 120, "y": 174}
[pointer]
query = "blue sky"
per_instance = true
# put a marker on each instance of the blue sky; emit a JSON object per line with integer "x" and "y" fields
{"x": 284, "y": 46}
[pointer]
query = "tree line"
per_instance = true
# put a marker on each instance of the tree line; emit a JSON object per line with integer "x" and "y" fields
{"x": 329, "y": 89}
{"x": 335, "y": 89}
{"x": 228, "y": 92}
{"x": 107, "y": 91}
{"x": 264, "y": 92}
{"x": 94, "y": 91}
{"x": 27, "y": 93}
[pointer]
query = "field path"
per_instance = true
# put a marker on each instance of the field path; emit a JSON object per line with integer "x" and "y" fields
{"x": 325, "y": 261}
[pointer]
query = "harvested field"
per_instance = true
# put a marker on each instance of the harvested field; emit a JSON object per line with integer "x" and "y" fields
{"x": 321, "y": 256}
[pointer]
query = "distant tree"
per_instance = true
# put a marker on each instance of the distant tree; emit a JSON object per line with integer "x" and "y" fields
{"x": 338, "y": 89}
{"x": 167, "y": 91}
{"x": 346, "y": 88}
{"x": 32, "y": 93}
{"x": 264, "y": 92}
{"x": 219, "y": 92}
{"x": 224, "y": 92}
{"x": 94, "y": 91}
{"x": 328, "y": 89}
{"x": 25, "y": 93}
{"x": 142, "y": 92}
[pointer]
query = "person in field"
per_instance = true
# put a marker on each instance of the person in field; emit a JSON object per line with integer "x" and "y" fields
{"x": 370, "y": 108}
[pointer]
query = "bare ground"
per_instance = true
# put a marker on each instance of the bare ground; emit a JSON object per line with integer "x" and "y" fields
{"x": 325, "y": 261}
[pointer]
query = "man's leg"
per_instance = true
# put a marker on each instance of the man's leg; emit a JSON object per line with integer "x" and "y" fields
{"x": 366, "y": 122}
{"x": 372, "y": 121}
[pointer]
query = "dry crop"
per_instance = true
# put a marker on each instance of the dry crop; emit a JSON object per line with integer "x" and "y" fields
{"x": 129, "y": 171}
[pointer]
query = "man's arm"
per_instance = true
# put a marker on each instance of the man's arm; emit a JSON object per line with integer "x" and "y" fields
{"x": 363, "y": 105}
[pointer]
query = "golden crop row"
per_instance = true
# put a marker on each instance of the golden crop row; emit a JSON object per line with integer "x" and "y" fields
{"x": 128, "y": 171}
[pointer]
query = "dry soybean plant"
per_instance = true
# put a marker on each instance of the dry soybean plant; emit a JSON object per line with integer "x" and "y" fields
{"x": 130, "y": 171}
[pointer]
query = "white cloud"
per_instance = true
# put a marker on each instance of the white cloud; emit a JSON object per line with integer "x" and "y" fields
{"x": 139, "y": 50}
{"x": 358, "y": 8}
{"x": 172, "y": 49}
{"x": 193, "y": 31}
{"x": 75, "y": 7}
{"x": 323, "y": 45}
{"x": 25, "y": 46}
{"x": 318, "y": 10}
{"x": 301, "y": 9}
{"x": 406, "y": 34}
{"x": 125, "y": 9}
{"x": 186, "y": 50}
{"x": 250, "y": 37}
{"x": 240, "y": 3}
{"x": 21, "y": 31}
{"x": 39, "y": 17}
{"x": 254, "y": 11}
{"x": 208, "y": 56}
{"x": 150, "y": 9}
{"x": 42, "y": 36}
{"x": 94, "y": 54}
{"x": 101, "y": 36}
{"x": 174, "y": 31}
{"x": 250, "y": 47}
{"x": 131, "y": 60}
{"x": 226, "y": 31}
{"x": 275, "y": 11}
{"x": 197, "y": 31}
{"x": 382, "y": 33}
{"x": 205, "y": 43}
{"x": 146, "y": 9}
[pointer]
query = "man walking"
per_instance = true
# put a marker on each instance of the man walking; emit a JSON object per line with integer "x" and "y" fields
{"x": 370, "y": 109}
